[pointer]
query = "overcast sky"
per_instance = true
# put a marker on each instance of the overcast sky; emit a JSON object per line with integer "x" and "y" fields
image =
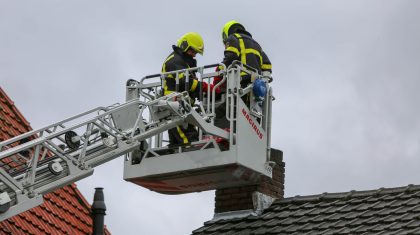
{"x": 346, "y": 81}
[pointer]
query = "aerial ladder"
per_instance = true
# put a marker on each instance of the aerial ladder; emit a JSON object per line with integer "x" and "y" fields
{"x": 40, "y": 161}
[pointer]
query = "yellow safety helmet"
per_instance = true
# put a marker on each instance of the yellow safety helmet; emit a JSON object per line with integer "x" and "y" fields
{"x": 228, "y": 26}
{"x": 191, "y": 40}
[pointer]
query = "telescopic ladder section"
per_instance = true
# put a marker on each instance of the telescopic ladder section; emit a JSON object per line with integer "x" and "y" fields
{"x": 239, "y": 159}
{"x": 67, "y": 151}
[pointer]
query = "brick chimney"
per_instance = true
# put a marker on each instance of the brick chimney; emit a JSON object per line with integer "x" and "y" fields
{"x": 253, "y": 198}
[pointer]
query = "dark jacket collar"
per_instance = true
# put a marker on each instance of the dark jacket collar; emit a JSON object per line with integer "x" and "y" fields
{"x": 240, "y": 31}
{"x": 185, "y": 57}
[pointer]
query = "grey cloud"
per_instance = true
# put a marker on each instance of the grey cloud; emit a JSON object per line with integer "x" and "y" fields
{"x": 346, "y": 81}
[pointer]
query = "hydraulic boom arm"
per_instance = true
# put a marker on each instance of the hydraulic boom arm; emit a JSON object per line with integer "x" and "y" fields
{"x": 56, "y": 155}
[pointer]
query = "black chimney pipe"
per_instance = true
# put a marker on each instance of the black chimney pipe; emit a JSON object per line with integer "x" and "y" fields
{"x": 98, "y": 212}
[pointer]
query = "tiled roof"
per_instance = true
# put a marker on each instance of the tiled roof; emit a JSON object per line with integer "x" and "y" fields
{"x": 382, "y": 211}
{"x": 64, "y": 211}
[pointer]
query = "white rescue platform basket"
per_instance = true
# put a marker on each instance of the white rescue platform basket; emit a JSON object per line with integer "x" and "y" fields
{"x": 204, "y": 165}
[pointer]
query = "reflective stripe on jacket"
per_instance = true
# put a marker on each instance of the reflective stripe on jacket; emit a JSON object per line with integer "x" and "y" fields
{"x": 177, "y": 60}
{"x": 242, "y": 47}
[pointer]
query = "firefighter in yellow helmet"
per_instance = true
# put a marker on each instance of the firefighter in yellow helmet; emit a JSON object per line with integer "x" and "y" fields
{"x": 239, "y": 45}
{"x": 183, "y": 57}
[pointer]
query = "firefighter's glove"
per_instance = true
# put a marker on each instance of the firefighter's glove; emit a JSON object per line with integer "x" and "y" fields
{"x": 218, "y": 79}
{"x": 206, "y": 86}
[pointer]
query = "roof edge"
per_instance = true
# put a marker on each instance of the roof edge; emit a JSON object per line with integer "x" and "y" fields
{"x": 80, "y": 196}
{"x": 232, "y": 215}
{"x": 352, "y": 193}
{"x": 14, "y": 108}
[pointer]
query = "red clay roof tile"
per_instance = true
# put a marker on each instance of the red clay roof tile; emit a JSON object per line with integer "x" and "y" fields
{"x": 65, "y": 211}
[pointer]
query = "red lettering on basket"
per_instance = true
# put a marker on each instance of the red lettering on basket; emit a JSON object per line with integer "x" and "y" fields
{"x": 252, "y": 123}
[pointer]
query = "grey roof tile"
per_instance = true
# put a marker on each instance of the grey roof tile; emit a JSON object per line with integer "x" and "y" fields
{"x": 415, "y": 208}
{"x": 308, "y": 227}
{"x": 296, "y": 233}
{"x": 320, "y": 218}
{"x": 355, "y": 223}
{"x": 402, "y": 232}
{"x": 352, "y": 215}
{"x": 380, "y": 227}
{"x": 382, "y": 211}
{"x": 344, "y": 231}
{"x": 315, "y": 212}
{"x": 372, "y": 221}
{"x": 244, "y": 232}
{"x": 413, "y": 202}
{"x": 405, "y": 196}
{"x": 335, "y": 217}
{"x": 367, "y": 214}
{"x": 242, "y": 225}
{"x": 342, "y": 223}
{"x": 290, "y": 229}
{"x": 401, "y": 210}
{"x": 397, "y": 225}
{"x": 390, "y": 219}
{"x": 272, "y": 222}
{"x": 329, "y": 232}
{"x": 397, "y": 203}
{"x": 305, "y": 212}
{"x": 383, "y": 233}
{"x": 348, "y": 208}
{"x": 309, "y": 205}
{"x": 260, "y": 230}
{"x": 287, "y": 221}
{"x": 372, "y": 199}
{"x": 381, "y": 205}
{"x": 360, "y": 229}
{"x": 328, "y": 210}
{"x": 216, "y": 227}
{"x": 324, "y": 226}
{"x": 276, "y": 230}
{"x": 415, "y": 231}
{"x": 410, "y": 217}
{"x": 414, "y": 224}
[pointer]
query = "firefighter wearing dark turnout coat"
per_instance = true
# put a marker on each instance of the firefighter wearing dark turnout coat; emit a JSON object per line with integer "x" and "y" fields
{"x": 239, "y": 45}
{"x": 182, "y": 57}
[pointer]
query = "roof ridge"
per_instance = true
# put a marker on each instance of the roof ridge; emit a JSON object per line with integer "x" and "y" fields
{"x": 348, "y": 194}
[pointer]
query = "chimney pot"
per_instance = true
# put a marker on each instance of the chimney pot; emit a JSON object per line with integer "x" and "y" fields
{"x": 98, "y": 212}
